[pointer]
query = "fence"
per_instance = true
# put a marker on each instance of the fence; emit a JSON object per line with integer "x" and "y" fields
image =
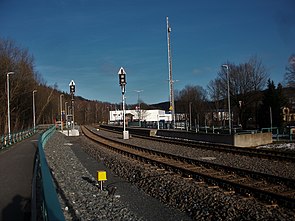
{"x": 50, "y": 207}
{"x": 6, "y": 140}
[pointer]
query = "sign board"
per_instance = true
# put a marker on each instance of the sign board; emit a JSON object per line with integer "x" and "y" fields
{"x": 101, "y": 175}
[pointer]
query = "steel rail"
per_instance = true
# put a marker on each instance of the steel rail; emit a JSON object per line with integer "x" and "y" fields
{"x": 263, "y": 186}
{"x": 245, "y": 151}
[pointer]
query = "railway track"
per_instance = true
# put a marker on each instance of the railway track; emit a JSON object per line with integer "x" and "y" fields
{"x": 250, "y": 152}
{"x": 270, "y": 188}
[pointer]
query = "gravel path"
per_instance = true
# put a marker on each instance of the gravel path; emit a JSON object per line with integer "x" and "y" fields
{"x": 199, "y": 201}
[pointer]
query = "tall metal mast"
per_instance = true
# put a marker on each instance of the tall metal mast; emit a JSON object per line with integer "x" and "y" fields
{"x": 171, "y": 89}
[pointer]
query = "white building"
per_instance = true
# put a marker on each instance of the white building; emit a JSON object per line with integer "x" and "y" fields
{"x": 140, "y": 115}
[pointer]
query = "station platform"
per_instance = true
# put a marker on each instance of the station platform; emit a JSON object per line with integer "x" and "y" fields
{"x": 71, "y": 133}
{"x": 16, "y": 172}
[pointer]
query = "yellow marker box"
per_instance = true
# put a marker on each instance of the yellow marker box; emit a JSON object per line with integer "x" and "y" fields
{"x": 101, "y": 175}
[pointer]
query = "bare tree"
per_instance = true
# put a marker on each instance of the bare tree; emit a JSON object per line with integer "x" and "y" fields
{"x": 194, "y": 97}
{"x": 13, "y": 58}
{"x": 24, "y": 81}
{"x": 44, "y": 98}
{"x": 246, "y": 80}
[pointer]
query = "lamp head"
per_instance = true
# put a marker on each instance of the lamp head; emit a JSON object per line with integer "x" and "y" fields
{"x": 10, "y": 73}
{"x": 224, "y": 66}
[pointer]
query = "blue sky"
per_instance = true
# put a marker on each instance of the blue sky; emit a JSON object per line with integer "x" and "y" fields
{"x": 89, "y": 40}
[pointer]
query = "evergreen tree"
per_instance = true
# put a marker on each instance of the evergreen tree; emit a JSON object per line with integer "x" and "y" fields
{"x": 270, "y": 111}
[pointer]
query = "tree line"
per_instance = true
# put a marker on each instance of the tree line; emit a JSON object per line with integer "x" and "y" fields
{"x": 253, "y": 95}
{"x": 14, "y": 58}
{"x": 255, "y": 99}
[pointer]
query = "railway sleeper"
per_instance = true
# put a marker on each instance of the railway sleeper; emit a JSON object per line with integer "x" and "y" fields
{"x": 193, "y": 168}
{"x": 271, "y": 201}
{"x": 290, "y": 193}
{"x": 229, "y": 192}
{"x": 225, "y": 176}
{"x": 267, "y": 196}
{"x": 213, "y": 187}
{"x": 245, "y": 188}
{"x": 272, "y": 187}
{"x": 216, "y": 174}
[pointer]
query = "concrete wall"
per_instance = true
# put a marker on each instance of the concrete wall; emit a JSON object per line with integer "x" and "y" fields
{"x": 238, "y": 140}
{"x": 212, "y": 138}
{"x": 252, "y": 140}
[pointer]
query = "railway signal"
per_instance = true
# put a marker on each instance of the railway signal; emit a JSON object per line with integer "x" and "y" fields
{"x": 72, "y": 86}
{"x": 72, "y": 91}
{"x": 122, "y": 79}
{"x": 122, "y": 82}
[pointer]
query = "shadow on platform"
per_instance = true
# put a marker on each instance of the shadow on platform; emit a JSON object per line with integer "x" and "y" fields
{"x": 18, "y": 209}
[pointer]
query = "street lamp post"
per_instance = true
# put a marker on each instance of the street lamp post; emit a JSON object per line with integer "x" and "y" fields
{"x": 190, "y": 116}
{"x": 66, "y": 108}
{"x": 60, "y": 100}
{"x": 8, "y": 106}
{"x": 138, "y": 102}
{"x": 228, "y": 97}
{"x": 138, "y": 97}
{"x": 66, "y": 113}
{"x": 34, "y": 111}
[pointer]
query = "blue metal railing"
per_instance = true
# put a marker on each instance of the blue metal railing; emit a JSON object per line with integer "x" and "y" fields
{"x": 5, "y": 141}
{"x": 50, "y": 206}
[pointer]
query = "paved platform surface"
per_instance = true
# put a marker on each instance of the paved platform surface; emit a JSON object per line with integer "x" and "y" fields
{"x": 16, "y": 172}
{"x": 142, "y": 204}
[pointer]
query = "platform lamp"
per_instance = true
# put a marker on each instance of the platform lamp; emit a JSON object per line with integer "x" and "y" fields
{"x": 61, "y": 122}
{"x": 228, "y": 97}
{"x": 34, "y": 111}
{"x": 8, "y": 106}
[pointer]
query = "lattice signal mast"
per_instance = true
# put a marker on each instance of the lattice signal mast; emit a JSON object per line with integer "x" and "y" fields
{"x": 171, "y": 89}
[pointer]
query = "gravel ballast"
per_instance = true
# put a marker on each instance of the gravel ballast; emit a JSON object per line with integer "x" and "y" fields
{"x": 267, "y": 166}
{"x": 74, "y": 172}
{"x": 81, "y": 199}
